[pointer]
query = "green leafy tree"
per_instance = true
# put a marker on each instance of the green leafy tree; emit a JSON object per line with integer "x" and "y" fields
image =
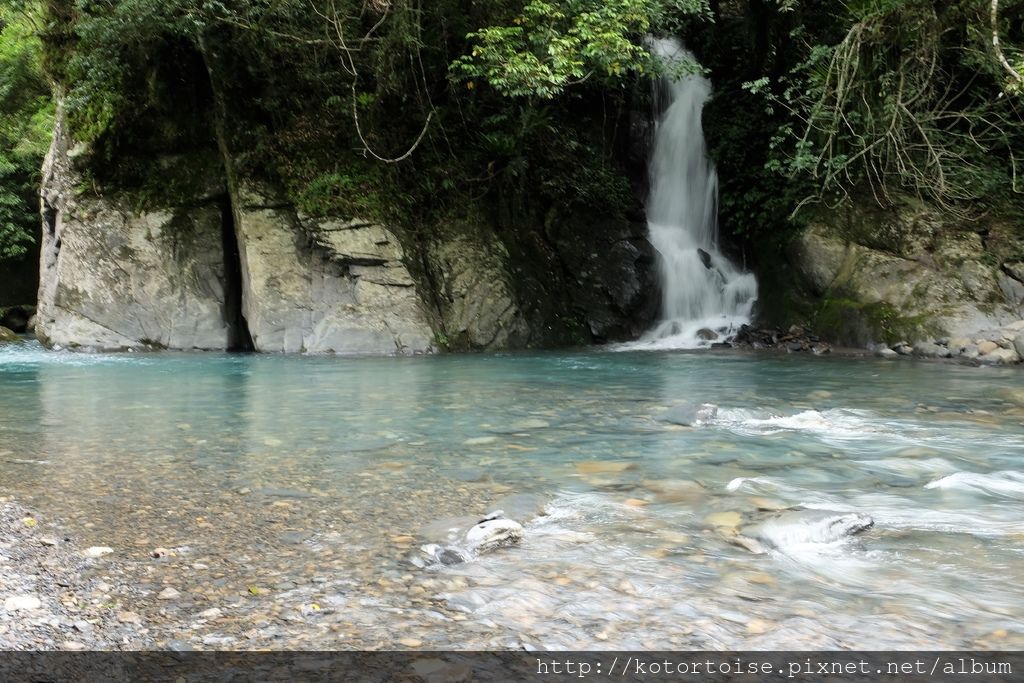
{"x": 26, "y": 114}
{"x": 551, "y": 45}
{"x": 903, "y": 96}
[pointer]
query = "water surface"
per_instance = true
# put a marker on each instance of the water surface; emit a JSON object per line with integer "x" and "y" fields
{"x": 294, "y": 493}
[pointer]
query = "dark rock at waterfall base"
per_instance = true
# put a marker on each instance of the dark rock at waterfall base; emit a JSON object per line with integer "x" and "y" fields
{"x": 707, "y": 334}
{"x": 705, "y": 258}
{"x": 795, "y": 340}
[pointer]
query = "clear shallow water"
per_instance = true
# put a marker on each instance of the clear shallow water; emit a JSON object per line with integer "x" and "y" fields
{"x": 315, "y": 481}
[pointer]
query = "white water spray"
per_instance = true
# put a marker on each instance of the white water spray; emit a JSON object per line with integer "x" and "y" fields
{"x": 705, "y": 298}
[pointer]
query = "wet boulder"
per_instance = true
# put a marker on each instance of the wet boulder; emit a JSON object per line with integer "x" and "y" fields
{"x": 491, "y": 533}
{"x": 692, "y": 415}
{"x": 8, "y": 336}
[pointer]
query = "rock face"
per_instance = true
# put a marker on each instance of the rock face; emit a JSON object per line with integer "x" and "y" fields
{"x": 324, "y": 286}
{"x": 112, "y": 278}
{"x": 476, "y": 303}
{"x": 908, "y": 273}
{"x": 236, "y": 266}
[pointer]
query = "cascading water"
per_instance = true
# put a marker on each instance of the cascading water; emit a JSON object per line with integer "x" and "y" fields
{"x": 705, "y": 297}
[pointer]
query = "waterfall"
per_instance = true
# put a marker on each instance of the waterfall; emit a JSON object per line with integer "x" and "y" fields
{"x": 705, "y": 298}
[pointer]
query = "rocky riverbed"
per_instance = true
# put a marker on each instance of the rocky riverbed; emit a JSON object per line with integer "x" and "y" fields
{"x": 58, "y": 595}
{"x": 1001, "y": 346}
{"x": 998, "y": 346}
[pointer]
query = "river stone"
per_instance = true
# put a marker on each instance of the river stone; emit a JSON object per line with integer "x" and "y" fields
{"x": 886, "y": 352}
{"x": 986, "y": 347}
{"x": 8, "y": 336}
{"x": 800, "y": 527}
{"x": 675, "y": 490}
{"x": 168, "y": 594}
{"x": 489, "y": 534}
{"x": 493, "y": 533}
{"x": 692, "y": 415}
{"x": 957, "y": 344}
{"x": 480, "y": 440}
{"x": 1018, "y": 344}
{"x": 724, "y": 519}
{"x": 1000, "y": 356}
{"x": 603, "y": 467}
{"x": 17, "y": 603}
{"x": 930, "y": 350}
{"x": 98, "y": 551}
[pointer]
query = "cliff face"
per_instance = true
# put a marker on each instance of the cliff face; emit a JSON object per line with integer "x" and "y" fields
{"x": 236, "y": 266}
{"x": 909, "y": 273}
{"x": 112, "y": 278}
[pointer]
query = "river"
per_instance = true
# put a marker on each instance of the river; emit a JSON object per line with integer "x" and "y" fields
{"x": 294, "y": 494}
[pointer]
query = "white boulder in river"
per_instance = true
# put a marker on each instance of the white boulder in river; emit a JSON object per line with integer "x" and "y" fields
{"x": 802, "y": 528}
{"x": 490, "y": 533}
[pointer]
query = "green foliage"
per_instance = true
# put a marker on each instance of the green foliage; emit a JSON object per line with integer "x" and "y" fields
{"x": 554, "y": 44}
{"x": 26, "y": 115}
{"x": 350, "y": 194}
{"x": 899, "y": 96}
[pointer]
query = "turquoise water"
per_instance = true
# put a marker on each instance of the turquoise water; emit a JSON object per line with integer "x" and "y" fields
{"x": 316, "y": 480}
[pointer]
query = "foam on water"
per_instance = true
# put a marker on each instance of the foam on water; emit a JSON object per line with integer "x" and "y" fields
{"x": 31, "y": 352}
{"x": 1007, "y": 484}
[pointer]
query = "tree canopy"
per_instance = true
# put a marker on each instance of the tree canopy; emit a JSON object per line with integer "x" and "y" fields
{"x": 410, "y": 109}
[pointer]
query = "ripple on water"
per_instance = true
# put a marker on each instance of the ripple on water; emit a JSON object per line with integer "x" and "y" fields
{"x": 277, "y": 484}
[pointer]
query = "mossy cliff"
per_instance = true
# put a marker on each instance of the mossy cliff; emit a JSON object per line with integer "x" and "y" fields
{"x": 864, "y": 274}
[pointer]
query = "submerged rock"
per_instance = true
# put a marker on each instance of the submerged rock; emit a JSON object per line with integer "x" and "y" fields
{"x": 692, "y": 415}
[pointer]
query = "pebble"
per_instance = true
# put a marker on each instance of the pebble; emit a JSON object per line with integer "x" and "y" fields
{"x": 768, "y": 504}
{"x": 530, "y": 423}
{"x": 480, "y": 440}
{"x": 98, "y": 551}
{"x": 603, "y": 467}
{"x": 212, "y": 613}
{"x": 410, "y": 642}
{"x": 758, "y": 626}
{"x": 17, "y": 603}
{"x": 729, "y": 520}
{"x": 129, "y": 618}
{"x": 168, "y": 594}
{"x": 73, "y": 645}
